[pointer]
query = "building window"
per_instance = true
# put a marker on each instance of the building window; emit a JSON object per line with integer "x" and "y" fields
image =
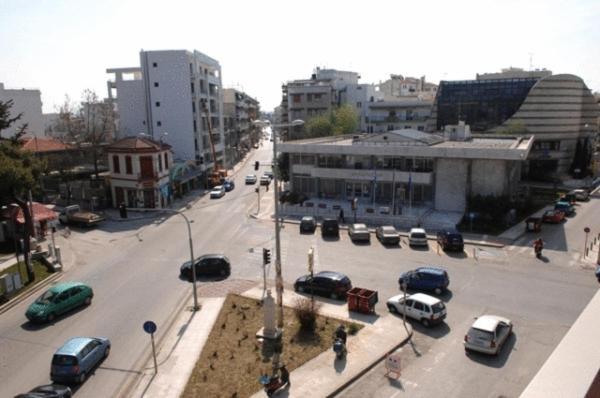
{"x": 192, "y": 86}
{"x": 166, "y": 161}
{"x": 359, "y": 105}
{"x": 296, "y": 98}
{"x": 309, "y": 97}
{"x": 159, "y": 123}
{"x": 157, "y": 104}
{"x": 421, "y": 128}
{"x": 195, "y": 126}
{"x": 116, "y": 165}
{"x": 196, "y": 144}
{"x": 159, "y": 162}
{"x": 155, "y": 84}
{"x": 317, "y": 96}
{"x": 154, "y": 64}
{"x": 193, "y": 106}
{"x": 128, "y": 165}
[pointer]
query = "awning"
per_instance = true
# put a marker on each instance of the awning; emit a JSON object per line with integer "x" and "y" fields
{"x": 40, "y": 213}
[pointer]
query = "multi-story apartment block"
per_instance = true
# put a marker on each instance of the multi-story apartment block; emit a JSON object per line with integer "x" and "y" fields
{"x": 173, "y": 96}
{"x": 239, "y": 111}
{"x": 27, "y": 102}
{"x": 398, "y": 86}
{"x": 397, "y": 115}
{"x": 361, "y": 97}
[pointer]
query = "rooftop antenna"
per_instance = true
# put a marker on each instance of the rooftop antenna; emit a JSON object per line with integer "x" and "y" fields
{"x": 530, "y": 61}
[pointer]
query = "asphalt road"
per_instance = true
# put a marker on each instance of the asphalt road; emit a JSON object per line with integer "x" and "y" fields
{"x": 133, "y": 268}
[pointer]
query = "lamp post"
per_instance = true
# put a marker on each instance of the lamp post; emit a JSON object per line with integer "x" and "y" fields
{"x": 278, "y": 276}
{"x": 189, "y": 230}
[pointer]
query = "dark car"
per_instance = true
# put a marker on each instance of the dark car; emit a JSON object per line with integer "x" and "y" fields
{"x": 426, "y": 278}
{"x": 229, "y": 185}
{"x": 387, "y": 235}
{"x": 325, "y": 283}
{"x": 330, "y": 227}
{"x": 565, "y": 207}
{"x": 48, "y": 391}
{"x": 308, "y": 224}
{"x": 450, "y": 240}
{"x": 207, "y": 265}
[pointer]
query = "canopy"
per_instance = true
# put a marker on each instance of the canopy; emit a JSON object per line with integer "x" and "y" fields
{"x": 40, "y": 213}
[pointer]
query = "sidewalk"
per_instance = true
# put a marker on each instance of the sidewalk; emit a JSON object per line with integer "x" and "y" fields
{"x": 178, "y": 353}
{"x": 517, "y": 230}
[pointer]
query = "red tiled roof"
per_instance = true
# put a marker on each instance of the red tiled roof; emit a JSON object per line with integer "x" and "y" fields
{"x": 40, "y": 213}
{"x": 37, "y": 145}
{"x": 137, "y": 144}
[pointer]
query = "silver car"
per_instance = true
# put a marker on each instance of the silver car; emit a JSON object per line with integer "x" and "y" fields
{"x": 217, "y": 192}
{"x": 359, "y": 232}
{"x": 417, "y": 237}
{"x": 487, "y": 334}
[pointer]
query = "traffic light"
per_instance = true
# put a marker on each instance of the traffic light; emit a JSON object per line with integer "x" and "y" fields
{"x": 256, "y": 165}
{"x": 266, "y": 256}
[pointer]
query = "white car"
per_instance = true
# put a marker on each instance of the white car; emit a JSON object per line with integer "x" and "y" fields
{"x": 251, "y": 179}
{"x": 424, "y": 308}
{"x": 359, "y": 232}
{"x": 217, "y": 192}
{"x": 580, "y": 194}
{"x": 487, "y": 334}
{"x": 265, "y": 180}
{"x": 417, "y": 237}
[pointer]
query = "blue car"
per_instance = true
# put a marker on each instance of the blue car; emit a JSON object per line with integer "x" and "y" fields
{"x": 425, "y": 278}
{"x": 565, "y": 207}
{"x": 228, "y": 185}
{"x": 73, "y": 361}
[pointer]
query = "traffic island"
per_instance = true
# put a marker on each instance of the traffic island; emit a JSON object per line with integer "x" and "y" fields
{"x": 18, "y": 286}
{"x": 232, "y": 359}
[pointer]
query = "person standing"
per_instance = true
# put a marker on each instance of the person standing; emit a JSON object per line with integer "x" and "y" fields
{"x": 342, "y": 216}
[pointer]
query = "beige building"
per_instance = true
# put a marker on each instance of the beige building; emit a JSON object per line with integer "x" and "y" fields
{"x": 27, "y": 102}
{"x": 239, "y": 111}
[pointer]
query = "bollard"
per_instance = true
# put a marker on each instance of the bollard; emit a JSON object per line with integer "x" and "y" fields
{"x": 58, "y": 255}
{"x": 586, "y": 252}
{"x": 475, "y": 253}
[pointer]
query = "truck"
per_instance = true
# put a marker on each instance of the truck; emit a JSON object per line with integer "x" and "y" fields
{"x": 73, "y": 215}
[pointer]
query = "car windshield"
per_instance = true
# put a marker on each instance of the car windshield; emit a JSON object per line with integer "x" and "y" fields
{"x": 418, "y": 235}
{"x": 438, "y": 307}
{"x": 64, "y": 360}
{"x": 46, "y": 297}
{"x": 480, "y": 335}
{"x": 388, "y": 230}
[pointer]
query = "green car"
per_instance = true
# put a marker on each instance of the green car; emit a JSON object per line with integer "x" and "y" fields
{"x": 59, "y": 299}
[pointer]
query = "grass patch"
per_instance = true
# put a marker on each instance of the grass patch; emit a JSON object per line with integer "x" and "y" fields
{"x": 232, "y": 360}
{"x": 39, "y": 269}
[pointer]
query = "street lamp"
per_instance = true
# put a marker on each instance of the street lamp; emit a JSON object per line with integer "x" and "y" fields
{"x": 278, "y": 276}
{"x": 189, "y": 230}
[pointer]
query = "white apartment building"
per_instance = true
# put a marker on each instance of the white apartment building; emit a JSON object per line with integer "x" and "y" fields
{"x": 398, "y": 115}
{"x": 361, "y": 97}
{"x": 165, "y": 98}
{"x": 27, "y": 102}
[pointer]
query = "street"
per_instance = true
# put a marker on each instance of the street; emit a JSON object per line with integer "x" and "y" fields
{"x": 133, "y": 268}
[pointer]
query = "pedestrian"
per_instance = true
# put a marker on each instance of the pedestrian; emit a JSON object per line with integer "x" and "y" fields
{"x": 342, "y": 216}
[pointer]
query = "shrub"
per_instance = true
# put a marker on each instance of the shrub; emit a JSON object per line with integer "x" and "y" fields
{"x": 306, "y": 311}
{"x": 353, "y": 328}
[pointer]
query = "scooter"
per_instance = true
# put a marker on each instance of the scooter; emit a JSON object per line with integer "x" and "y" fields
{"x": 272, "y": 384}
{"x": 339, "y": 348}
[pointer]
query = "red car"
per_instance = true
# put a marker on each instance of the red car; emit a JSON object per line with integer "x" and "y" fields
{"x": 553, "y": 216}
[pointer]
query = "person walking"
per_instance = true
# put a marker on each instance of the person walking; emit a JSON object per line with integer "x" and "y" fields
{"x": 342, "y": 220}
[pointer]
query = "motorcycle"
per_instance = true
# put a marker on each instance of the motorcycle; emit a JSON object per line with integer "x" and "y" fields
{"x": 339, "y": 348}
{"x": 275, "y": 383}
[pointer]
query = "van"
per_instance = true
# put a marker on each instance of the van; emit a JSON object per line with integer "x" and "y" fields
{"x": 77, "y": 357}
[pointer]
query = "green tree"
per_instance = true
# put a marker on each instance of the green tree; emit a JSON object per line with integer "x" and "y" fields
{"x": 283, "y": 167}
{"x": 19, "y": 173}
{"x": 319, "y": 126}
{"x": 344, "y": 120}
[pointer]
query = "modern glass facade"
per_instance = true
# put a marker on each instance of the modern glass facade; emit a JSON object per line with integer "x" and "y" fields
{"x": 482, "y": 104}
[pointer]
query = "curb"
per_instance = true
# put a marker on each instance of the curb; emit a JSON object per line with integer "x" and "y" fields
{"x": 369, "y": 367}
{"x": 21, "y": 297}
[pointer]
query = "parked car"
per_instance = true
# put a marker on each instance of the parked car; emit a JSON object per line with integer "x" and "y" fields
{"x": 73, "y": 215}
{"x": 387, "y": 235}
{"x": 251, "y": 179}
{"x": 217, "y": 192}
{"x": 269, "y": 174}
{"x": 417, "y": 237}
{"x": 207, "y": 265}
{"x": 229, "y": 185}
{"x": 426, "y": 309}
{"x": 59, "y": 299}
{"x": 330, "y": 227}
{"x": 487, "y": 334}
{"x": 308, "y": 224}
{"x": 325, "y": 283}
{"x": 553, "y": 216}
{"x": 359, "y": 233}
{"x": 77, "y": 358}
{"x": 255, "y": 145}
{"x": 265, "y": 180}
{"x": 48, "y": 391}
{"x": 450, "y": 240}
{"x": 426, "y": 278}
{"x": 565, "y": 207}
{"x": 580, "y": 194}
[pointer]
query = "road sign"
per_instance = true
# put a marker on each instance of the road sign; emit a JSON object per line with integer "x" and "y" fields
{"x": 392, "y": 364}
{"x": 587, "y": 230}
{"x": 149, "y": 327}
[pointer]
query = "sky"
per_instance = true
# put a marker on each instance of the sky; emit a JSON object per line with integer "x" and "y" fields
{"x": 64, "y": 47}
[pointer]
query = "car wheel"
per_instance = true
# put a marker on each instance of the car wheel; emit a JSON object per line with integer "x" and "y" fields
{"x": 334, "y": 296}
{"x": 106, "y": 352}
{"x": 87, "y": 301}
{"x": 81, "y": 378}
{"x": 392, "y": 309}
{"x": 437, "y": 290}
{"x": 301, "y": 289}
{"x": 50, "y": 317}
{"x": 425, "y": 322}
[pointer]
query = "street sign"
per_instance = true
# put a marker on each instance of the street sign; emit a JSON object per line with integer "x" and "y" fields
{"x": 587, "y": 230}
{"x": 392, "y": 364}
{"x": 149, "y": 327}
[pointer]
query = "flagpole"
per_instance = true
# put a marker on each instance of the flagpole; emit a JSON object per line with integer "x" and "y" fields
{"x": 394, "y": 191}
